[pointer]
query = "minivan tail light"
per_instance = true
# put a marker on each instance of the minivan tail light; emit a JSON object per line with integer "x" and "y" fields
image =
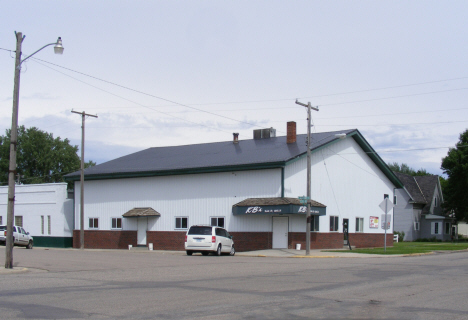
{"x": 185, "y": 238}
{"x": 213, "y": 239}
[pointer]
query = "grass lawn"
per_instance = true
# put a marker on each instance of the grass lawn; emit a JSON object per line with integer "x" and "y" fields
{"x": 413, "y": 247}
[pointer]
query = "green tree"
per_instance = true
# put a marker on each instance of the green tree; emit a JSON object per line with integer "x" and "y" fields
{"x": 455, "y": 166}
{"x": 404, "y": 168}
{"x": 40, "y": 158}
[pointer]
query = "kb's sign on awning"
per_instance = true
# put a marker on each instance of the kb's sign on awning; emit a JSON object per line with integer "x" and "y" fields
{"x": 278, "y": 209}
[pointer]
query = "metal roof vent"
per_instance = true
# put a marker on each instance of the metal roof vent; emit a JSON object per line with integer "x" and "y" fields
{"x": 264, "y": 133}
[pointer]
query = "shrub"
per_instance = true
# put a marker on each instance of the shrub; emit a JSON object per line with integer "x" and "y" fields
{"x": 401, "y": 235}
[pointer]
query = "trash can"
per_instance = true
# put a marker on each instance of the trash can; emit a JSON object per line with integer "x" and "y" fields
{"x": 150, "y": 246}
{"x": 298, "y": 246}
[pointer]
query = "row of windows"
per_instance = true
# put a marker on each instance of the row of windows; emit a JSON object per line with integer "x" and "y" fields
{"x": 180, "y": 222}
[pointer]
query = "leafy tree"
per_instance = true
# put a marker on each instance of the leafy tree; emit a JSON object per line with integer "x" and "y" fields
{"x": 455, "y": 166}
{"x": 404, "y": 168}
{"x": 40, "y": 157}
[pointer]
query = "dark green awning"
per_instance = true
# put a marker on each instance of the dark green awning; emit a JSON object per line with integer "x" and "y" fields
{"x": 260, "y": 206}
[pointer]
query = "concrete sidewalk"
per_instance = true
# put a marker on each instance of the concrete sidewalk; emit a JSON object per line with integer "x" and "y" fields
{"x": 291, "y": 253}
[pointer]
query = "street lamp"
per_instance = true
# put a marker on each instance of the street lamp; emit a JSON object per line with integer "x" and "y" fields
{"x": 58, "y": 48}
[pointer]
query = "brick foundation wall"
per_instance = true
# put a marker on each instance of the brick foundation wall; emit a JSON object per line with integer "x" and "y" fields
{"x": 333, "y": 240}
{"x": 166, "y": 240}
{"x": 248, "y": 241}
{"x": 101, "y": 239}
{"x": 244, "y": 241}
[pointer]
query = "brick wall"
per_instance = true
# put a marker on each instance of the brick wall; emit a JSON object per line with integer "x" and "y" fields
{"x": 248, "y": 241}
{"x": 244, "y": 241}
{"x": 100, "y": 239}
{"x": 166, "y": 240}
{"x": 318, "y": 240}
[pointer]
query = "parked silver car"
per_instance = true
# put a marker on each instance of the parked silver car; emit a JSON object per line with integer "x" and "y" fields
{"x": 20, "y": 237}
{"x": 206, "y": 239}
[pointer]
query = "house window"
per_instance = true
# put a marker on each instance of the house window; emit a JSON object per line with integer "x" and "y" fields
{"x": 447, "y": 228}
{"x": 416, "y": 226}
{"x": 42, "y": 224}
{"x": 395, "y": 200}
{"x": 181, "y": 222}
{"x": 435, "y": 228}
{"x": 116, "y": 223}
{"x": 1, "y": 220}
{"x": 93, "y": 223}
{"x": 49, "y": 225}
{"x": 333, "y": 223}
{"x": 217, "y": 221}
{"x": 314, "y": 223}
{"x": 435, "y": 201}
{"x": 19, "y": 221}
{"x": 359, "y": 224}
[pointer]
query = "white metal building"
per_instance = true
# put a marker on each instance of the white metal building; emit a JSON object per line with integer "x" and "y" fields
{"x": 44, "y": 210}
{"x": 153, "y": 196}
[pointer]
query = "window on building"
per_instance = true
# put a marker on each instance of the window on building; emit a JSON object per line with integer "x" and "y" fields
{"x": 435, "y": 201}
{"x": 19, "y": 221}
{"x": 315, "y": 223}
{"x": 181, "y": 222}
{"x": 435, "y": 228}
{"x": 217, "y": 221}
{"x": 334, "y": 223}
{"x": 447, "y": 228}
{"x": 395, "y": 200}
{"x": 1, "y": 220}
{"x": 359, "y": 224}
{"x": 42, "y": 224}
{"x": 416, "y": 225}
{"x": 49, "y": 225}
{"x": 116, "y": 223}
{"x": 93, "y": 223}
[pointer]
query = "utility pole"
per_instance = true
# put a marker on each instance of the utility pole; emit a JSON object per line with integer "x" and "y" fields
{"x": 309, "y": 107}
{"x": 83, "y": 117}
{"x": 12, "y": 169}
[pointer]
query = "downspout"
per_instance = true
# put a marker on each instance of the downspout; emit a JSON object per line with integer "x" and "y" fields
{"x": 282, "y": 182}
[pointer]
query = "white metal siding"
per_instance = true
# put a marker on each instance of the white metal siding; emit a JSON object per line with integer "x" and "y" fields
{"x": 197, "y": 196}
{"x": 346, "y": 180}
{"x": 35, "y": 200}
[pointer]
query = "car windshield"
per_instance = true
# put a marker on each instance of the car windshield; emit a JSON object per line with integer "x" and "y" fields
{"x": 205, "y": 231}
{"x": 2, "y": 228}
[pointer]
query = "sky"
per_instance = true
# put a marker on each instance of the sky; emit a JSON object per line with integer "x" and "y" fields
{"x": 167, "y": 73}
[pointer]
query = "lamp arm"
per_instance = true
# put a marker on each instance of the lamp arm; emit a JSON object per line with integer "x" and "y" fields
{"x": 50, "y": 44}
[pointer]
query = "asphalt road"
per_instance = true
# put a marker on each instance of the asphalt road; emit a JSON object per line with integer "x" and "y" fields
{"x": 120, "y": 284}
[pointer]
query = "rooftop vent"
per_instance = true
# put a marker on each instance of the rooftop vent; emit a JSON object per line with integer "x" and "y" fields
{"x": 264, "y": 133}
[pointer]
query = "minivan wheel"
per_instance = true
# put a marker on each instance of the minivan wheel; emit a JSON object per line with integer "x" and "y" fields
{"x": 30, "y": 245}
{"x": 218, "y": 251}
{"x": 233, "y": 251}
{"x": 189, "y": 253}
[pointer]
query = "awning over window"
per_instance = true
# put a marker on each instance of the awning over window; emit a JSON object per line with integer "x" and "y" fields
{"x": 141, "y": 212}
{"x": 256, "y": 206}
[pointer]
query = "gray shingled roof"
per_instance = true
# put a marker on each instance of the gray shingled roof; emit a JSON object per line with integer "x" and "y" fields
{"x": 275, "y": 202}
{"x": 421, "y": 188}
{"x": 209, "y": 155}
{"x": 221, "y": 156}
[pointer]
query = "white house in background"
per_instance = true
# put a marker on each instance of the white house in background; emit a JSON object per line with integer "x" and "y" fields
{"x": 418, "y": 211}
{"x": 44, "y": 210}
{"x": 250, "y": 187}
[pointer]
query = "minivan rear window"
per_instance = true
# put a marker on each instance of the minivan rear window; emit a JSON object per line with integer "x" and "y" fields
{"x": 3, "y": 228}
{"x": 205, "y": 231}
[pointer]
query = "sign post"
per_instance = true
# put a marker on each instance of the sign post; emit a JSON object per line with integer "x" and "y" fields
{"x": 386, "y": 205}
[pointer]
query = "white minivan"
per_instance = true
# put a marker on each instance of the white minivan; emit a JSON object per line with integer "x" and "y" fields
{"x": 206, "y": 239}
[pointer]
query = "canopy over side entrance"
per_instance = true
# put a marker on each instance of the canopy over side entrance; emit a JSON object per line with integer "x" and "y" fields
{"x": 256, "y": 206}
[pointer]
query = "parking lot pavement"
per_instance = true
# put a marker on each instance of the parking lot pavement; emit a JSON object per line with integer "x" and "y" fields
{"x": 291, "y": 253}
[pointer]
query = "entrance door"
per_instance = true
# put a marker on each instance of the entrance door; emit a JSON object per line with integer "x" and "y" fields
{"x": 280, "y": 232}
{"x": 141, "y": 233}
{"x": 345, "y": 231}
